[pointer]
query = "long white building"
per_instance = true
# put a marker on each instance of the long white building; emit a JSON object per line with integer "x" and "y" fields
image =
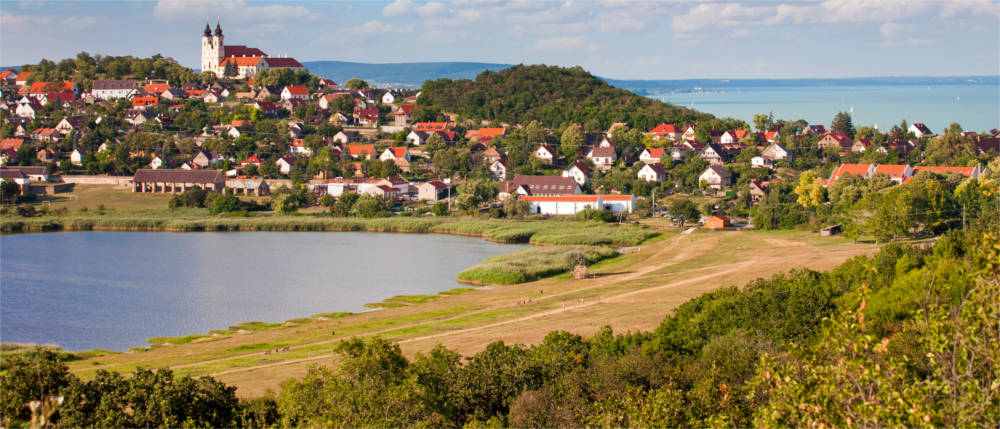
{"x": 572, "y": 204}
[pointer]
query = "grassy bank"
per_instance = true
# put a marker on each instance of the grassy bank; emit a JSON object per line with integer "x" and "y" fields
{"x": 547, "y": 232}
{"x": 531, "y": 264}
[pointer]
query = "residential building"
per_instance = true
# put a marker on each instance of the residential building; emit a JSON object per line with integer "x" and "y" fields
{"x": 716, "y": 177}
{"x": 579, "y": 171}
{"x": 539, "y": 186}
{"x": 113, "y": 89}
{"x": 652, "y": 173}
{"x": 561, "y": 205}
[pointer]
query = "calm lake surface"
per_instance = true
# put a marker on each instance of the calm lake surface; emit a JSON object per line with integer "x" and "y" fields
{"x": 113, "y": 290}
{"x": 974, "y": 106}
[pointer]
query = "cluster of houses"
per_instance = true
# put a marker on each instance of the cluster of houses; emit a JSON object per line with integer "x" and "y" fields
{"x": 898, "y": 173}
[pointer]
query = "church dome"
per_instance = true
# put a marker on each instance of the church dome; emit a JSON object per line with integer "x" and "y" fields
{"x": 208, "y": 30}
{"x": 218, "y": 29}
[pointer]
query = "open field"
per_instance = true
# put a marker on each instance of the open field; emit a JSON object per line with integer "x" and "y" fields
{"x": 630, "y": 292}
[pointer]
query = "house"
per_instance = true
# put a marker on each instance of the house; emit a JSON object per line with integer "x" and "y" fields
{"x": 716, "y": 177}
{"x": 382, "y": 191}
{"x": 861, "y": 144}
{"x": 47, "y": 155}
{"x": 485, "y": 134}
{"x": 498, "y": 168}
{"x": 651, "y": 155}
{"x": 578, "y": 171}
{"x": 45, "y": 88}
{"x": 770, "y": 136}
{"x": 203, "y": 159}
{"x": 539, "y": 185}
{"x": 212, "y": 97}
{"x": 761, "y": 162}
{"x": 493, "y": 154}
{"x": 837, "y": 141}
{"x": 285, "y": 164}
{"x": 11, "y": 143}
{"x": 433, "y": 191}
{"x": 157, "y": 163}
{"x": 689, "y": 133}
{"x": 113, "y": 89}
{"x": 69, "y": 124}
{"x": 602, "y": 156}
{"x": 664, "y": 131}
{"x": 776, "y": 152}
{"x": 298, "y": 147}
{"x": 18, "y": 177}
{"x": 987, "y": 145}
{"x": 389, "y": 98}
{"x": 367, "y": 116}
{"x": 400, "y": 184}
{"x": 732, "y": 136}
{"x": 365, "y": 151}
{"x": 8, "y": 156}
{"x": 395, "y": 153}
{"x": 401, "y": 114}
{"x": 138, "y": 117}
{"x": 919, "y": 130}
{"x": 143, "y": 101}
{"x": 813, "y": 129}
{"x": 417, "y": 138}
{"x": 250, "y": 160}
{"x": 29, "y": 109}
{"x": 717, "y": 222}
{"x": 757, "y": 189}
{"x": 545, "y": 154}
{"x": 714, "y": 154}
{"x": 156, "y": 88}
{"x": 973, "y": 172}
{"x": 8, "y": 77}
{"x": 46, "y": 134}
{"x": 35, "y": 172}
{"x": 266, "y": 107}
{"x": 76, "y": 157}
{"x": 895, "y": 172}
{"x": 299, "y": 92}
{"x": 653, "y": 173}
{"x": 345, "y": 137}
{"x": 864, "y": 170}
{"x": 177, "y": 181}
{"x": 326, "y": 101}
{"x": 22, "y": 78}
{"x": 173, "y": 94}
{"x": 431, "y": 126}
{"x": 560, "y": 205}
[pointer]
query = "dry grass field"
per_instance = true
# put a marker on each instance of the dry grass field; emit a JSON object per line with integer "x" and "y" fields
{"x": 632, "y": 292}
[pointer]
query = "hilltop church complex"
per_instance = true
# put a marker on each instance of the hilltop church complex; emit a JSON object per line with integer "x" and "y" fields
{"x": 216, "y": 56}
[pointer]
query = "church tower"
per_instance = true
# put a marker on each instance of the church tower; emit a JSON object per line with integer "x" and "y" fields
{"x": 212, "y": 49}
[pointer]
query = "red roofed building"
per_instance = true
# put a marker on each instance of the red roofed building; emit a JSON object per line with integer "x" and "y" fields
{"x": 838, "y": 141}
{"x": 897, "y": 173}
{"x": 864, "y": 170}
{"x": 359, "y": 150}
{"x": 11, "y": 143}
{"x": 402, "y": 113}
{"x": 51, "y": 87}
{"x": 431, "y": 126}
{"x": 145, "y": 101}
{"x": 665, "y": 131}
{"x": 22, "y": 78}
{"x": 651, "y": 155}
{"x": 295, "y": 91}
{"x": 572, "y": 204}
{"x": 251, "y": 160}
{"x": 156, "y": 88}
{"x": 972, "y": 172}
{"x": 367, "y": 116}
{"x": 8, "y": 77}
{"x": 216, "y": 55}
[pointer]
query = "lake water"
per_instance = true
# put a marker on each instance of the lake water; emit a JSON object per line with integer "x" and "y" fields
{"x": 113, "y": 290}
{"x": 975, "y": 106}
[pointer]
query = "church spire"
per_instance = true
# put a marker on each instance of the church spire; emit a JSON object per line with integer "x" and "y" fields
{"x": 218, "y": 29}
{"x": 208, "y": 30}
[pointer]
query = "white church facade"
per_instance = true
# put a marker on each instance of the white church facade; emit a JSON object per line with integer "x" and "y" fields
{"x": 216, "y": 56}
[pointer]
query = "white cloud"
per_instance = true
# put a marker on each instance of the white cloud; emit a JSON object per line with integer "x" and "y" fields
{"x": 972, "y": 7}
{"x": 718, "y": 15}
{"x": 228, "y": 10}
{"x": 901, "y": 34}
{"x": 406, "y": 7}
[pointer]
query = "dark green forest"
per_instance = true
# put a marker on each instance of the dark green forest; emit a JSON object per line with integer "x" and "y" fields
{"x": 551, "y": 95}
{"x": 907, "y": 337}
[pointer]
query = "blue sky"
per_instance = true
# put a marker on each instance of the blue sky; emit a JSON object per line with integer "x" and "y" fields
{"x": 613, "y": 38}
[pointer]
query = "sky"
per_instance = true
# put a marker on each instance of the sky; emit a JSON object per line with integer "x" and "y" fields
{"x": 618, "y": 39}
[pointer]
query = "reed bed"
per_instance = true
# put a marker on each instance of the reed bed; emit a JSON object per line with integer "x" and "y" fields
{"x": 531, "y": 264}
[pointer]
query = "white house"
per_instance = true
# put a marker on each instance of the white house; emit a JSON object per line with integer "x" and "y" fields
{"x": 285, "y": 164}
{"x": 652, "y": 173}
{"x": 761, "y": 162}
{"x": 299, "y": 92}
{"x": 76, "y": 157}
{"x": 113, "y": 89}
{"x": 499, "y": 169}
{"x": 775, "y": 152}
{"x": 651, "y": 155}
{"x": 395, "y": 153}
{"x": 603, "y": 157}
{"x": 579, "y": 171}
{"x": 388, "y": 98}
{"x": 919, "y": 129}
{"x": 545, "y": 154}
{"x": 156, "y": 163}
{"x": 572, "y": 204}
{"x": 716, "y": 177}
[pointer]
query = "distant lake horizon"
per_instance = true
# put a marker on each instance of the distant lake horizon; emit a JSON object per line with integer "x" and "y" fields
{"x": 974, "y": 104}
{"x": 113, "y": 290}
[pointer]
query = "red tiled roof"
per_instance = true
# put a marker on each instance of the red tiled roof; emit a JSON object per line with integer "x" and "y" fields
{"x": 22, "y": 76}
{"x": 297, "y": 90}
{"x": 491, "y": 132}
{"x": 430, "y": 126}
{"x": 357, "y": 149}
{"x": 655, "y": 152}
{"x": 240, "y": 61}
{"x": 398, "y": 152}
{"x": 857, "y": 169}
{"x": 893, "y": 170}
{"x": 45, "y": 87}
{"x": 251, "y": 159}
{"x": 282, "y": 62}
{"x": 664, "y": 129}
{"x": 965, "y": 171}
{"x": 11, "y": 143}
{"x": 156, "y": 88}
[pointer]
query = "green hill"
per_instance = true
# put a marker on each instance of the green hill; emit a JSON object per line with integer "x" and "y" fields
{"x": 551, "y": 95}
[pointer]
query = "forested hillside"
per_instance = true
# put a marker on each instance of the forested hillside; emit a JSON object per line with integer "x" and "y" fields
{"x": 551, "y": 95}
{"x": 907, "y": 337}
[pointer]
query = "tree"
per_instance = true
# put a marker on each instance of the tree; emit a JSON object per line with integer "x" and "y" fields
{"x": 29, "y": 377}
{"x": 356, "y": 83}
{"x": 684, "y": 210}
{"x": 9, "y": 191}
{"x": 762, "y": 122}
{"x": 474, "y": 192}
{"x": 842, "y": 124}
{"x": 231, "y": 69}
{"x": 810, "y": 190}
{"x": 369, "y": 206}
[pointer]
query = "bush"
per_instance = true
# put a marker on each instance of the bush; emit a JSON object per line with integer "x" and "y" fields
{"x": 594, "y": 214}
{"x": 440, "y": 209}
{"x": 194, "y": 197}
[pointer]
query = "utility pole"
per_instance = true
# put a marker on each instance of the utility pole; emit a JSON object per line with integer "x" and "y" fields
{"x": 963, "y": 216}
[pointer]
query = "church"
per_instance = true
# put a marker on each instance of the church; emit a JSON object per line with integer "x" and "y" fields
{"x": 216, "y": 56}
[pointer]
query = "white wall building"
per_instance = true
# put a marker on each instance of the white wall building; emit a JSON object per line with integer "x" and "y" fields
{"x": 572, "y": 204}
